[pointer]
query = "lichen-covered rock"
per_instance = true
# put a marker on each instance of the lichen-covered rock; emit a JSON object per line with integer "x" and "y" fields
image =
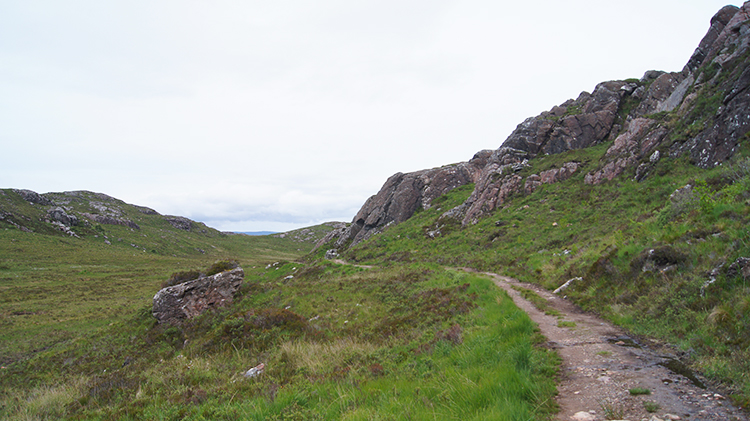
{"x": 177, "y": 303}
{"x": 726, "y": 98}
{"x": 718, "y": 22}
{"x": 740, "y": 267}
{"x": 641, "y": 136}
{"x": 496, "y": 186}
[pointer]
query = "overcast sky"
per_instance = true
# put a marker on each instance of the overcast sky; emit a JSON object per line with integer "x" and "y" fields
{"x": 272, "y": 115}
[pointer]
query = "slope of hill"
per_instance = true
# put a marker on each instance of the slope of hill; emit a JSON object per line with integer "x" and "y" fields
{"x": 701, "y": 113}
{"x": 73, "y": 261}
{"x": 637, "y": 193}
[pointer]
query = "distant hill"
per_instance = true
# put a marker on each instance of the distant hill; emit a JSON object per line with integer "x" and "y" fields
{"x": 257, "y": 232}
{"x": 99, "y": 218}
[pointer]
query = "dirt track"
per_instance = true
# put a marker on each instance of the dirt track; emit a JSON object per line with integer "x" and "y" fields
{"x": 601, "y": 364}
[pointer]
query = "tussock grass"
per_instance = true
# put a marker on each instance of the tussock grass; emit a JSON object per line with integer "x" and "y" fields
{"x": 315, "y": 357}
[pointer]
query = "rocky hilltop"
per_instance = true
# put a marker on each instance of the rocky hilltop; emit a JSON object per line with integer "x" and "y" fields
{"x": 702, "y": 111}
{"x": 83, "y": 209}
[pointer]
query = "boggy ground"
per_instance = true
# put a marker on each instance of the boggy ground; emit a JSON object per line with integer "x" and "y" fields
{"x": 601, "y": 364}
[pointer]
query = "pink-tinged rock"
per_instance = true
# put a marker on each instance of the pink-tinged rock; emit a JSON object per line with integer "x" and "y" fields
{"x": 184, "y": 301}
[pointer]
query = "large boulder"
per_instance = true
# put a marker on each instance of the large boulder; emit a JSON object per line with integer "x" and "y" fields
{"x": 177, "y": 303}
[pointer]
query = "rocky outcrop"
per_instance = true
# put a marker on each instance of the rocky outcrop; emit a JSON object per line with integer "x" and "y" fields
{"x": 702, "y": 111}
{"x": 111, "y": 220}
{"x": 33, "y": 197}
{"x": 628, "y": 148}
{"x": 550, "y": 176}
{"x": 658, "y": 96}
{"x": 706, "y": 46}
{"x": 723, "y": 78}
{"x": 58, "y": 214}
{"x": 403, "y": 194}
{"x": 146, "y": 211}
{"x": 573, "y": 125}
{"x": 496, "y": 186}
{"x": 177, "y": 303}
{"x": 180, "y": 222}
{"x": 308, "y": 235}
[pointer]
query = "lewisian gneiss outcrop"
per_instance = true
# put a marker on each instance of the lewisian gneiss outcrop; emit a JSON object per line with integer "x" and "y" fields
{"x": 702, "y": 112}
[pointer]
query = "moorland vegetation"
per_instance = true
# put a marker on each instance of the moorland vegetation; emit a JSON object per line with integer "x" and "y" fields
{"x": 637, "y": 196}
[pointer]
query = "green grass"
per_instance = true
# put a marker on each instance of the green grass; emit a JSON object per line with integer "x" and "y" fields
{"x": 347, "y": 343}
{"x": 651, "y": 406}
{"x": 74, "y": 285}
{"x": 340, "y": 342}
{"x": 639, "y": 391}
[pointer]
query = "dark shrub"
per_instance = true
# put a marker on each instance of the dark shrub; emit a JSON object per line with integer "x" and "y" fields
{"x": 659, "y": 257}
{"x": 180, "y": 277}
{"x": 221, "y": 266}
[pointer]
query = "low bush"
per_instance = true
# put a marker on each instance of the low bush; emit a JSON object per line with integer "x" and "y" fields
{"x": 180, "y": 277}
{"x": 221, "y": 266}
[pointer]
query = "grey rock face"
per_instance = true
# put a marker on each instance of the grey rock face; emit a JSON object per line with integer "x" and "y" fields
{"x": 726, "y": 52}
{"x": 58, "y": 214}
{"x": 706, "y": 47}
{"x": 180, "y": 223}
{"x": 178, "y": 303}
{"x": 658, "y": 93}
{"x": 110, "y": 220}
{"x": 33, "y": 197}
{"x": 573, "y": 125}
